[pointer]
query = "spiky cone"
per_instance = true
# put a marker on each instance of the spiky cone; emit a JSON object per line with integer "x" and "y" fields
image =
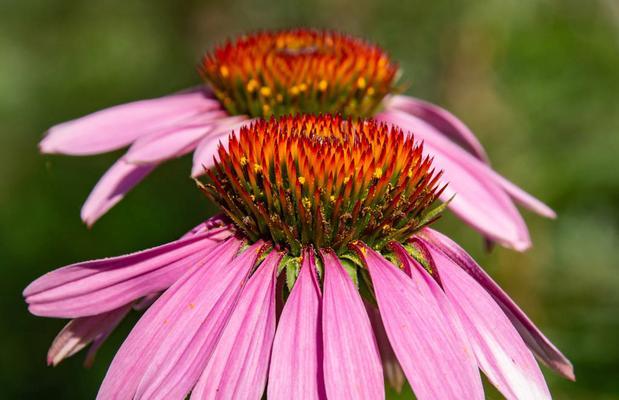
{"x": 322, "y": 270}
{"x": 291, "y": 72}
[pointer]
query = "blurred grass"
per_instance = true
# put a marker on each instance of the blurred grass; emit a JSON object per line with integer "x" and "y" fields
{"x": 536, "y": 80}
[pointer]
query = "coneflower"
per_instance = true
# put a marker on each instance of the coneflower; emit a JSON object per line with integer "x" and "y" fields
{"x": 321, "y": 267}
{"x": 289, "y": 72}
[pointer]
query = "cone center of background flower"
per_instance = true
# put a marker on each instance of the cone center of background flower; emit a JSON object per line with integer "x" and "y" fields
{"x": 324, "y": 181}
{"x": 299, "y": 71}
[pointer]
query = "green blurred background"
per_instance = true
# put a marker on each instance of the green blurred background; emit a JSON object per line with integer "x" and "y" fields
{"x": 536, "y": 80}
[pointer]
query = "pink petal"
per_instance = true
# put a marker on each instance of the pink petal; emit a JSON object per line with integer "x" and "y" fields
{"x": 479, "y": 201}
{"x": 112, "y": 187}
{"x": 391, "y": 367}
{"x": 78, "y": 333}
{"x": 195, "y": 329}
{"x": 118, "y": 126}
{"x": 173, "y": 142}
{"x": 352, "y": 366}
{"x": 500, "y": 351}
{"x": 238, "y": 368}
{"x": 296, "y": 361}
{"x": 94, "y": 287}
{"x": 543, "y": 348}
{"x": 207, "y": 148}
{"x": 435, "y": 359}
{"x": 442, "y": 120}
{"x": 447, "y": 124}
{"x": 162, "y": 319}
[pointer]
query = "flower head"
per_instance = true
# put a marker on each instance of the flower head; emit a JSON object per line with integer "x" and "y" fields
{"x": 324, "y": 181}
{"x": 308, "y": 286}
{"x": 299, "y": 71}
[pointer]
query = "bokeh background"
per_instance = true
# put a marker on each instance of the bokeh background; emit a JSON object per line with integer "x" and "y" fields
{"x": 538, "y": 81}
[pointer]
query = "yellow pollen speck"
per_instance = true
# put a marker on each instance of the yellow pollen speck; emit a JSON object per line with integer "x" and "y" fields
{"x": 386, "y": 227}
{"x": 266, "y": 109}
{"x": 223, "y": 70}
{"x": 332, "y": 198}
{"x": 370, "y": 91}
{"x": 361, "y": 83}
{"x": 306, "y": 203}
{"x": 410, "y": 173}
{"x": 301, "y": 180}
{"x": 294, "y": 90}
{"x": 378, "y": 173}
{"x": 257, "y": 168}
{"x": 279, "y": 97}
{"x": 303, "y": 87}
{"x": 346, "y": 179}
{"x": 243, "y": 161}
{"x": 322, "y": 85}
{"x": 363, "y": 250}
{"x": 252, "y": 85}
{"x": 265, "y": 91}
{"x": 253, "y": 198}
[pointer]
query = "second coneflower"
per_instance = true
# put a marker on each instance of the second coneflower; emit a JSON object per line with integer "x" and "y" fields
{"x": 322, "y": 267}
{"x": 290, "y": 72}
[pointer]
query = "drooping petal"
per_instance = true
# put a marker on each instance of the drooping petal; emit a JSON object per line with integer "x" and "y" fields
{"x": 479, "y": 200}
{"x": 523, "y": 198}
{"x": 94, "y": 287}
{"x": 174, "y": 142}
{"x": 80, "y": 332}
{"x": 391, "y": 367}
{"x": 352, "y": 365}
{"x": 437, "y": 363}
{"x": 296, "y": 361}
{"x": 161, "y": 321}
{"x": 112, "y": 187}
{"x": 500, "y": 351}
{"x": 207, "y": 148}
{"x": 543, "y": 348}
{"x": 238, "y": 368}
{"x": 196, "y": 328}
{"x": 118, "y": 126}
{"x": 441, "y": 119}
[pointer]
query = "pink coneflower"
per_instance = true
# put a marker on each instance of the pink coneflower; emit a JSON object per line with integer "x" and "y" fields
{"x": 289, "y": 72}
{"x": 322, "y": 270}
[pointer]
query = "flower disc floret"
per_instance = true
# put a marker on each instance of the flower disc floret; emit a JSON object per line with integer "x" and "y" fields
{"x": 324, "y": 181}
{"x": 299, "y": 71}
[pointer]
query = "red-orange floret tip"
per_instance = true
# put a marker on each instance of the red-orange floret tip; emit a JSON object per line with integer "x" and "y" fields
{"x": 299, "y": 71}
{"x": 324, "y": 181}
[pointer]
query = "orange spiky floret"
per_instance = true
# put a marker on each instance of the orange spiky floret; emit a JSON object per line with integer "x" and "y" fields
{"x": 299, "y": 71}
{"x": 325, "y": 181}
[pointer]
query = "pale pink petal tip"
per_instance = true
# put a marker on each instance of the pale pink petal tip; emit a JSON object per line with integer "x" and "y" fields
{"x": 419, "y": 331}
{"x": 80, "y": 332}
{"x": 118, "y": 126}
{"x": 352, "y": 365}
{"x": 537, "y": 342}
{"x": 111, "y": 188}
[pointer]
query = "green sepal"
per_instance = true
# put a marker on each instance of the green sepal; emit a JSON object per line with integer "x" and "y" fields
{"x": 292, "y": 266}
{"x": 351, "y": 270}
